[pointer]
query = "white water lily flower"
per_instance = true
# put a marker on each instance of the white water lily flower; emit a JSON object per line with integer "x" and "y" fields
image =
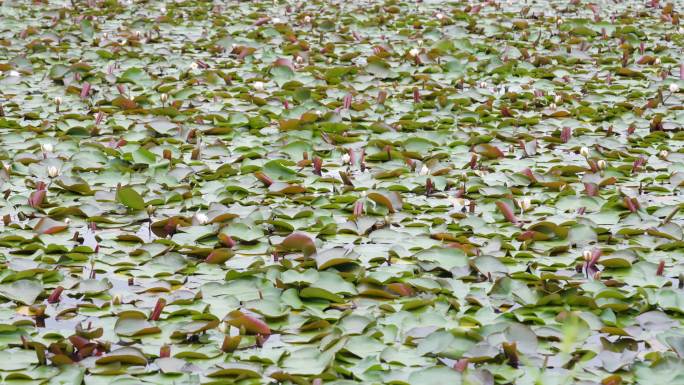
{"x": 414, "y": 52}
{"x": 674, "y": 88}
{"x": 525, "y": 204}
{"x": 193, "y": 66}
{"x": 53, "y": 171}
{"x": 13, "y": 73}
{"x": 424, "y": 170}
{"x": 345, "y": 158}
{"x": 201, "y": 218}
{"x": 58, "y": 100}
{"x": 663, "y": 154}
{"x": 601, "y": 164}
{"x": 46, "y": 147}
{"x": 259, "y": 86}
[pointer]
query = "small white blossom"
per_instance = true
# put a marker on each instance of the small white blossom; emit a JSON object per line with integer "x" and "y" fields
{"x": 674, "y": 88}
{"x": 414, "y": 52}
{"x": 439, "y": 16}
{"x": 483, "y": 84}
{"x": 424, "y": 170}
{"x": 193, "y": 66}
{"x": 201, "y": 218}
{"x": 345, "y": 158}
{"x": 275, "y": 20}
{"x": 259, "y": 86}
{"x": 525, "y": 204}
{"x": 46, "y": 147}
{"x": 58, "y": 100}
{"x": 656, "y": 61}
{"x": 53, "y": 171}
{"x": 552, "y": 106}
{"x": 586, "y": 255}
{"x": 307, "y": 19}
{"x": 663, "y": 154}
{"x": 601, "y": 164}
{"x": 13, "y": 73}
{"x": 584, "y": 152}
{"x": 164, "y": 97}
{"x": 558, "y": 99}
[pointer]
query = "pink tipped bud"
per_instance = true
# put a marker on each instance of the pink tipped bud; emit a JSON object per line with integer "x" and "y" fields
{"x": 461, "y": 365}
{"x": 121, "y": 89}
{"x": 566, "y": 134}
{"x": 347, "y": 101}
{"x": 661, "y": 268}
{"x": 85, "y": 90}
{"x": 416, "y": 95}
{"x": 99, "y": 118}
{"x": 358, "y": 208}
{"x": 56, "y": 293}
{"x": 681, "y": 71}
{"x": 317, "y": 165}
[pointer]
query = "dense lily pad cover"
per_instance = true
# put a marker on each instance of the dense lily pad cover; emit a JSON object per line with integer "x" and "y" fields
{"x": 341, "y": 192}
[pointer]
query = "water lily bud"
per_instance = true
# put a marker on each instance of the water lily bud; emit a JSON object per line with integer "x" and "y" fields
{"x": 53, "y": 171}
{"x": 164, "y": 97}
{"x": 656, "y": 61}
{"x": 552, "y": 106}
{"x": 414, "y": 52}
{"x": 558, "y": 99}
{"x": 201, "y": 218}
{"x": 150, "y": 210}
{"x": 584, "y": 152}
{"x": 663, "y": 154}
{"x": 307, "y": 19}
{"x": 259, "y": 86}
{"x": 601, "y": 164}
{"x": 439, "y": 16}
{"x": 193, "y": 66}
{"x": 345, "y": 158}
{"x": 58, "y": 100}
{"x": 483, "y": 84}
{"x": 674, "y": 88}
{"x": 116, "y": 300}
{"x": 46, "y": 148}
{"x": 586, "y": 255}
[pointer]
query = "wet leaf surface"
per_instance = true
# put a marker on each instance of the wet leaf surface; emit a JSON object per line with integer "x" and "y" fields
{"x": 369, "y": 192}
